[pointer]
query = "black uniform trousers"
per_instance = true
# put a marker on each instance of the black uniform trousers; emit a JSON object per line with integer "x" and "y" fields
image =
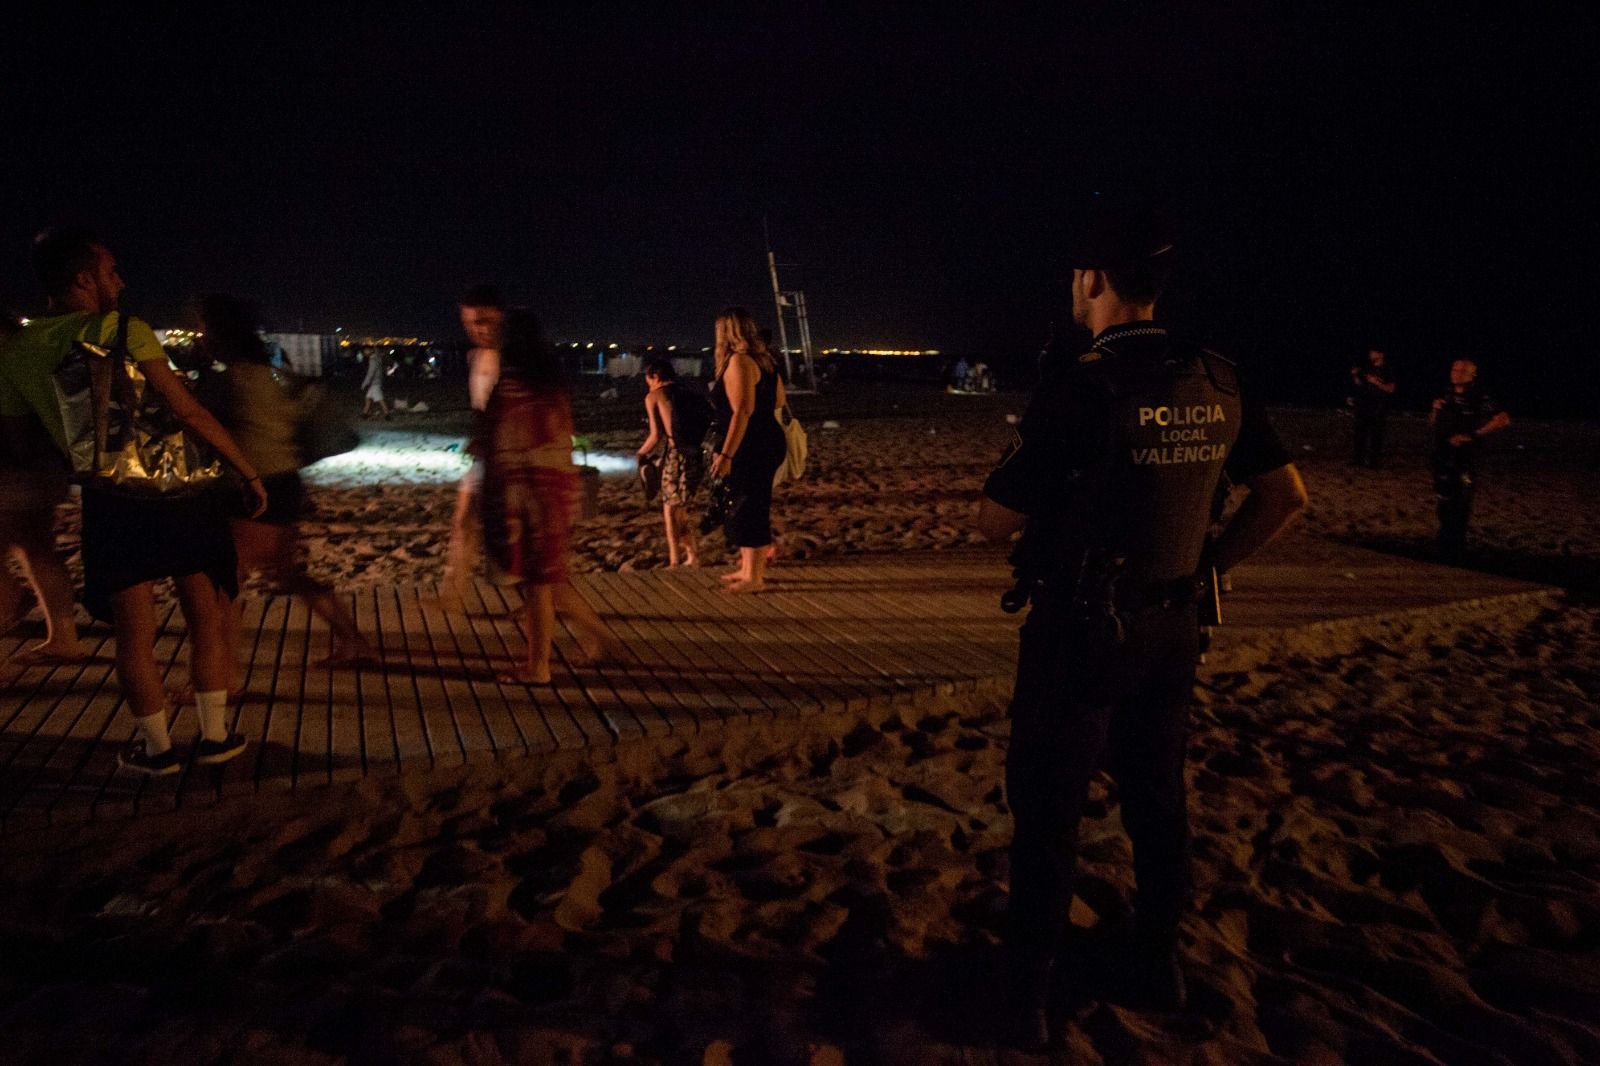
{"x": 1079, "y": 694}
{"x": 1367, "y": 447}
{"x": 1452, "y": 485}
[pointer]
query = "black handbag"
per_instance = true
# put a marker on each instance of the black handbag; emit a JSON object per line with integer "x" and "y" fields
{"x": 650, "y": 477}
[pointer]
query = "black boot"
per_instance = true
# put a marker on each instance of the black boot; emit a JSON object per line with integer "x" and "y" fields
{"x": 1152, "y": 977}
{"x": 1027, "y": 1010}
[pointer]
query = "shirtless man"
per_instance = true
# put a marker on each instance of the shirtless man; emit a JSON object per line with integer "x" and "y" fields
{"x": 483, "y": 315}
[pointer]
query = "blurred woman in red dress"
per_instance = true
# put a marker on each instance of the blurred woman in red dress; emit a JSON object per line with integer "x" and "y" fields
{"x": 531, "y": 495}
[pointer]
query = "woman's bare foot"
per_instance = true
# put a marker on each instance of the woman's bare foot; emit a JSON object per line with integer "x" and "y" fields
{"x": 524, "y": 675}
{"x": 598, "y": 649}
{"x": 340, "y": 658}
{"x": 736, "y": 575}
{"x": 746, "y": 586}
{"x": 50, "y": 653}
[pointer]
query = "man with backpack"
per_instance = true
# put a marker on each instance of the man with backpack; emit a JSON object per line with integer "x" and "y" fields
{"x": 680, "y": 415}
{"x": 131, "y": 542}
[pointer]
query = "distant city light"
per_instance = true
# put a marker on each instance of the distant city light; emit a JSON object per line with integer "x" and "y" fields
{"x": 611, "y": 345}
{"x": 880, "y": 351}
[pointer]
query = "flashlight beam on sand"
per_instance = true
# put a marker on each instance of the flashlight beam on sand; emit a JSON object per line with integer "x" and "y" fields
{"x": 429, "y": 458}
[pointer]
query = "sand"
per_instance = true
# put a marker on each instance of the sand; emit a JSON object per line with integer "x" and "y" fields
{"x": 1397, "y": 845}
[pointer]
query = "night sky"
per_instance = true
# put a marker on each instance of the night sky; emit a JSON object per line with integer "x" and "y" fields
{"x": 1426, "y": 180}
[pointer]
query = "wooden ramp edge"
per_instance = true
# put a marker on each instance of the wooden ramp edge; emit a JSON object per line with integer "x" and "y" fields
{"x": 840, "y": 636}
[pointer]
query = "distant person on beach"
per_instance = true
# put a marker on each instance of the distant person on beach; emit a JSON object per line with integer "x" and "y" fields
{"x": 679, "y": 417}
{"x": 260, "y": 408}
{"x": 530, "y": 495}
{"x": 372, "y": 382}
{"x": 30, "y": 489}
{"x": 1372, "y": 392}
{"x": 1111, "y": 479}
{"x": 130, "y": 543}
{"x": 483, "y": 317}
{"x": 748, "y": 393}
{"x": 1460, "y": 418}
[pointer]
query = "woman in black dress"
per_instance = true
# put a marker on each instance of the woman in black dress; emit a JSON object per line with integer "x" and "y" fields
{"x": 748, "y": 395}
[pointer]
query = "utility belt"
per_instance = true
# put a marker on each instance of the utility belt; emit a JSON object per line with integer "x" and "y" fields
{"x": 1101, "y": 599}
{"x": 1128, "y": 597}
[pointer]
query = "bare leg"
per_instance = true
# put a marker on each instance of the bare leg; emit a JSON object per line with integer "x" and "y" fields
{"x": 11, "y": 598}
{"x": 741, "y": 570}
{"x": 753, "y": 568}
{"x": 668, "y": 519}
{"x": 690, "y": 550}
{"x": 539, "y": 621}
{"x": 134, "y": 614}
{"x": 35, "y": 545}
{"x": 461, "y": 556}
{"x": 203, "y": 608}
{"x": 274, "y": 550}
{"x": 596, "y": 641}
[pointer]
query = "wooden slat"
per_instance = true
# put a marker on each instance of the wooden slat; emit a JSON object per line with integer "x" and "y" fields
{"x": 524, "y": 715}
{"x": 785, "y": 654}
{"x": 412, "y": 740}
{"x": 444, "y": 727}
{"x": 346, "y": 752}
{"x": 649, "y": 659}
{"x": 743, "y": 685}
{"x": 542, "y": 702}
{"x": 311, "y": 749}
{"x": 275, "y": 762}
{"x": 59, "y": 691}
{"x": 565, "y": 686}
{"x": 375, "y": 710}
{"x": 482, "y": 719}
{"x": 258, "y": 664}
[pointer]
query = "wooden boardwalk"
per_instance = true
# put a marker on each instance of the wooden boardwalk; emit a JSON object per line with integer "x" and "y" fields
{"x": 830, "y": 637}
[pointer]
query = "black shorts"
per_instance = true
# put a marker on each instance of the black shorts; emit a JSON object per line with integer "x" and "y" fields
{"x": 128, "y": 541}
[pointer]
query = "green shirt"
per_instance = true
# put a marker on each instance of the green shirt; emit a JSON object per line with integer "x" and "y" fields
{"x": 29, "y": 360}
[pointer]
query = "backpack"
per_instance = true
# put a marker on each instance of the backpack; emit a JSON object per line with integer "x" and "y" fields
{"x": 691, "y": 416}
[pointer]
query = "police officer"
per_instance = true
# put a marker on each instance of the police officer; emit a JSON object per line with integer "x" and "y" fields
{"x": 1111, "y": 480}
{"x": 1373, "y": 387}
{"x": 1460, "y": 418}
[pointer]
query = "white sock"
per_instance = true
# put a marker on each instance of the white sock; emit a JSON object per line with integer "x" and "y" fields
{"x": 213, "y": 708}
{"x": 153, "y": 728}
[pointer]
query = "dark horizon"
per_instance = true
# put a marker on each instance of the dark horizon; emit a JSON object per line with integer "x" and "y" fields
{"x": 1343, "y": 177}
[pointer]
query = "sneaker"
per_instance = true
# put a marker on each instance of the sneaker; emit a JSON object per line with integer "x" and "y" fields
{"x": 133, "y": 757}
{"x": 211, "y": 752}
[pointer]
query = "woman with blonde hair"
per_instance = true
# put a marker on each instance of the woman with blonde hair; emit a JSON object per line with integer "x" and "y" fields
{"x": 748, "y": 394}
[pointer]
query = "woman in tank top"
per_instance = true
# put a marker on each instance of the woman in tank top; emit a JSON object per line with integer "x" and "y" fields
{"x": 748, "y": 395}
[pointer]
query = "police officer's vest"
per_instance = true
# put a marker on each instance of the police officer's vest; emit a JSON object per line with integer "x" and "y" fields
{"x": 1173, "y": 419}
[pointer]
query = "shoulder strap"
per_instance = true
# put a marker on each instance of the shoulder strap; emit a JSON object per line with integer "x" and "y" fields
{"x": 121, "y": 357}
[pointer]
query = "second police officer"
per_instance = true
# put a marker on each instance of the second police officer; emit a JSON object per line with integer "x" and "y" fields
{"x": 1111, "y": 480}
